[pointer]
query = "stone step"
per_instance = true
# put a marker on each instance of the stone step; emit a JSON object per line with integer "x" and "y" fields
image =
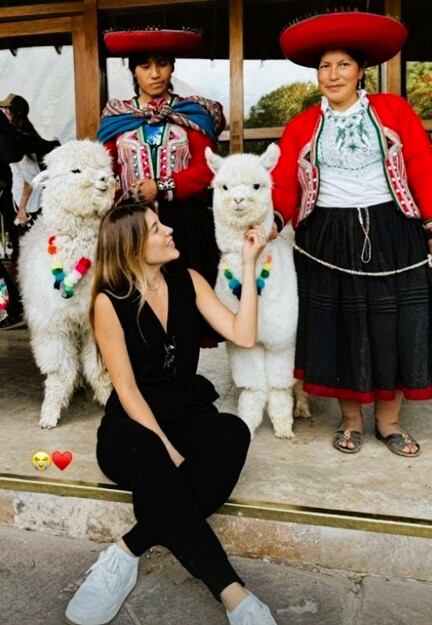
{"x": 360, "y": 543}
{"x": 167, "y": 594}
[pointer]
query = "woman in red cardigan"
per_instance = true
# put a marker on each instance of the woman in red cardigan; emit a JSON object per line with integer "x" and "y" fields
{"x": 157, "y": 141}
{"x": 355, "y": 177}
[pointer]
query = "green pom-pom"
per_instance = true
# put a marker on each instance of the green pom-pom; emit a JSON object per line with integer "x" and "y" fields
{"x": 265, "y": 273}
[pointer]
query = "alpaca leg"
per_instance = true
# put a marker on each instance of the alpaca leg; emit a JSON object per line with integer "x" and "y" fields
{"x": 279, "y": 367}
{"x": 57, "y": 359}
{"x": 251, "y": 407}
{"x": 280, "y": 410}
{"x": 94, "y": 371}
{"x": 301, "y": 401}
{"x": 248, "y": 372}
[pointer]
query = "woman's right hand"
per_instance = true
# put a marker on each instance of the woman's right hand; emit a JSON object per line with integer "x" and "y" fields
{"x": 255, "y": 241}
{"x": 175, "y": 456}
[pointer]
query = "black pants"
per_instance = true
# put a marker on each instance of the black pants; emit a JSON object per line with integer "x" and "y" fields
{"x": 171, "y": 504}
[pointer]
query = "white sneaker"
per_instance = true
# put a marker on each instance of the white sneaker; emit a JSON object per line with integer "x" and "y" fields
{"x": 100, "y": 597}
{"x": 251, "y": 611}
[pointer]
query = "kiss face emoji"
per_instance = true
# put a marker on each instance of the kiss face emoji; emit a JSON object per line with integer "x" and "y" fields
{"x": 41, "y": 460}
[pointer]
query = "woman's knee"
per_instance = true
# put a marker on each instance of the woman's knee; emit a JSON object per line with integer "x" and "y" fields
{"x": 235, "y": 433}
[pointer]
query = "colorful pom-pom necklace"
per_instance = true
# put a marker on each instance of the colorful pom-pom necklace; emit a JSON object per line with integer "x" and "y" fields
{"x": 66, "y": 282}
{"x": 236, "y": 286}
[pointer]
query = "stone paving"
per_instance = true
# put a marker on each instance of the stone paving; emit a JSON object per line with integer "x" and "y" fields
{"x": 306, "y": 471}
{"x": 39, "y": 573}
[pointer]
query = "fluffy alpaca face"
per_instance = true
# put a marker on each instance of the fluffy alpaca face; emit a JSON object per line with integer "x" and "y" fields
{"x": 78, "y": 180}
{"x": 242, "y": 187}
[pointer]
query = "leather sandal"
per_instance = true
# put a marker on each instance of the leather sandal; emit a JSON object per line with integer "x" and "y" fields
{"x": 397, "y": 441}
{"x": 348, "y": 436}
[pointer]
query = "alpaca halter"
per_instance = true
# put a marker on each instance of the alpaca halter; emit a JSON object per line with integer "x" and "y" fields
{"x": 63, "y": 281}
{"x": 236, "y": 286}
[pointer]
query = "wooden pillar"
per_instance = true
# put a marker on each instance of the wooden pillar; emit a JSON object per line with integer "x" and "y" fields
{"x": 86, "y": 68}
{"x": 392, "y": 70}
{"x": 236, "y": 74}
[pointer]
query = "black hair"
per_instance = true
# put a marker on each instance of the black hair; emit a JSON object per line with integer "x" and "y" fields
{"x": 142, "y": 59}
{"x": 31, "y": 140}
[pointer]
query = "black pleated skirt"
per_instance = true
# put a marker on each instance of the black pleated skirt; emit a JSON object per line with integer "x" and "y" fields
{"x": 363, "y": 338}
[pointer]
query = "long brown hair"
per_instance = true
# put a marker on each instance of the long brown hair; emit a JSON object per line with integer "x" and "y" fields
{"x": 119, "y": 262}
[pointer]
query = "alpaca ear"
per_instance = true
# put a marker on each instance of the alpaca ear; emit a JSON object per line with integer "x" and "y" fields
{"x": 270, "y": 157}
{"x": 214, "y": 161}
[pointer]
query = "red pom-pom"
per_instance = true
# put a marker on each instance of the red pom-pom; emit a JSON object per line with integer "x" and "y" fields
{"x": 52, "y": 249}
{"x": 51, "y": 240}
{"x": 83, "y": 265}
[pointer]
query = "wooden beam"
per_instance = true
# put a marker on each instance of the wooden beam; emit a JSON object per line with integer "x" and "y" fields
{"x": 132, "y": 4}
{"x": 36, "y": 27}
{"x": 42, "y": 10}
{"x": 86, "y": 67}
{"x": 270, "y": 132}
{"x": 236, "y": 75}
{"x": 252, "y": 134}
{"x": 392, "y": 70}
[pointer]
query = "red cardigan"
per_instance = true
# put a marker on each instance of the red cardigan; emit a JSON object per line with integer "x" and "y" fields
{"x": 190, "y": 181}
{"x": 296, "y": 174}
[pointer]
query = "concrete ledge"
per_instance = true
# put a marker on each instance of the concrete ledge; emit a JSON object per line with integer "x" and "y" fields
{"x": 355, "y": 550}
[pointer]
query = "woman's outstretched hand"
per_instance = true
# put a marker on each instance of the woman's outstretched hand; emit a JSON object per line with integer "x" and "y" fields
{"x": 255, "y": 241}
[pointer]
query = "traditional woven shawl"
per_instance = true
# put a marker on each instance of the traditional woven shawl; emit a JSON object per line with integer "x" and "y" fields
{"x": 192, "y": 112}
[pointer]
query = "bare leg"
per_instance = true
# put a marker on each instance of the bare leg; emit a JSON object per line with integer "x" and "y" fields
{"x": 352, "y": 419}
{"x": 232, "y": 595}
{"x": 387, "y": 419}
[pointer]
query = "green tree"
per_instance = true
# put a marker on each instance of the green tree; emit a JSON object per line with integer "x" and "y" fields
{"x": 278, "y": 106}
{"x": 419, "y": 88}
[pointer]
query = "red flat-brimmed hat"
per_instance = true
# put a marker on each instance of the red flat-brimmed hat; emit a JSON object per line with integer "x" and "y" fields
{"x": 152, "y": 41}
{"x": 378, "y": 37}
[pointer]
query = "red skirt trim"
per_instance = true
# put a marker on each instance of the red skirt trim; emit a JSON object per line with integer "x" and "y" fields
{"x": 363, "y": 397}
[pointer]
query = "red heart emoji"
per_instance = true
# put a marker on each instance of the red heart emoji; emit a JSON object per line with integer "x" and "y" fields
{"x": 61, "y": 459}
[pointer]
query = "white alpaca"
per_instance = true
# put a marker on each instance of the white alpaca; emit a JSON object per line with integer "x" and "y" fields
{"x": 265, "y": 373}
{"x": 78, "y": 190}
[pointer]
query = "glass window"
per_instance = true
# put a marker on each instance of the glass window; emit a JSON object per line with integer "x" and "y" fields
{"x": 275, "y": 91}
{"x": 419, "y": 87}
{"x": 46, "y": 80}
{"x": 191, "y": 77}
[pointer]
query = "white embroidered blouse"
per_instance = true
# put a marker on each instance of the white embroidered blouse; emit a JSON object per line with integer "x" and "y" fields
{"x": 350, "y": 158}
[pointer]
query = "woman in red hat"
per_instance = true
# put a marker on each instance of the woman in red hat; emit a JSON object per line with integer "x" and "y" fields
{"x": 157, "y": 140}
{"x": 355, "y": 178}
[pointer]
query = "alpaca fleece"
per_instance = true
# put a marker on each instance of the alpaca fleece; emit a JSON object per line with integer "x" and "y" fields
{"x": 242, "y": 198}
{"x": 78, "y": 189}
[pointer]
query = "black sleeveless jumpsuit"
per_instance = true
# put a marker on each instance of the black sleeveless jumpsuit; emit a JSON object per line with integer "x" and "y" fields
{"x": 171, "y": 504}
